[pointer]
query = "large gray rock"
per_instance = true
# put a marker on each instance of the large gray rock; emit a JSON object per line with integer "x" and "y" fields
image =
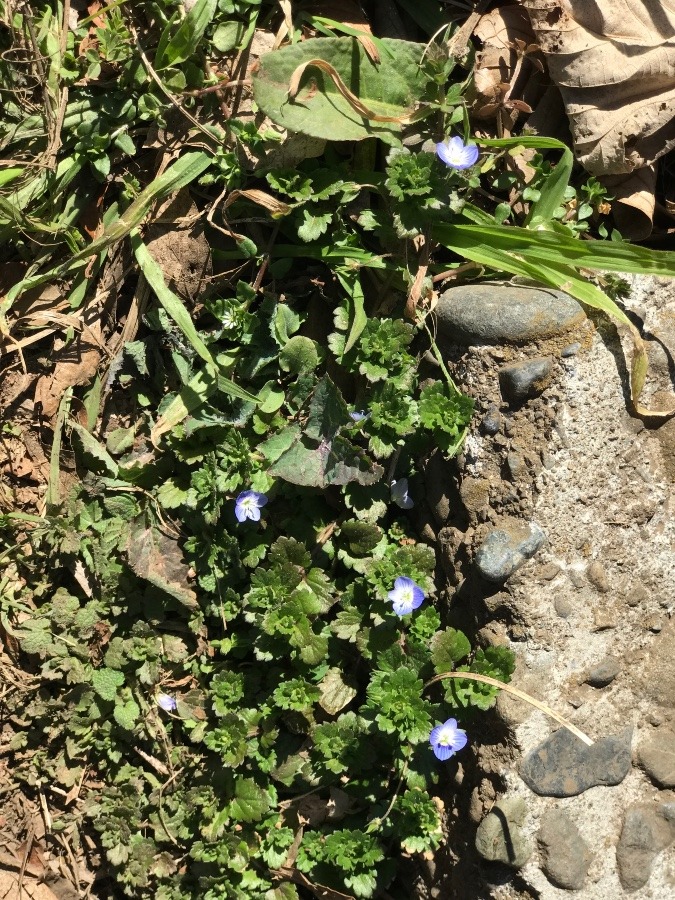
{"x": 563, "y": 766}
{"x": 506, "y": 548}
{"x": 647, "y": 830}
{"x": 565, "y": 855}
{"x": 496, "y": 313}
{"x": 499, "y": 837}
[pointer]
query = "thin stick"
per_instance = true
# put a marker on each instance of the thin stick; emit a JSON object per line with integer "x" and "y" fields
{"x": 485, "y": 679}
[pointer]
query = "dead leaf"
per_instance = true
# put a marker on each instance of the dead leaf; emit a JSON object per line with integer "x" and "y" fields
{"x": 615, "y": 66}
{"x": 506, "y": 35}
{"x": 159, "y": 560}
{"x": 30, "y": 889}
{"x": 633, "y": 203}
{"x": 177, "y": 242}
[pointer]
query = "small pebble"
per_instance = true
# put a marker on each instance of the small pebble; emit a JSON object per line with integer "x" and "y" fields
{"x": 491, "y": 421}
{"x": 522, "y": 380}
{"x": 597, "y": 576}
{"x": 571, "y": 350}
{"x": 604, "y": 673}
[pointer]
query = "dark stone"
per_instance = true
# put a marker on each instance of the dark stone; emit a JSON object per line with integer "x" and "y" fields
{"x": 499, "y": 837}
{"x": 506, "y": 548}
{"x": 565, "y": 855}
{"x": 494, "y": 314}
{"x": 563, "y": 766}
{"x": 491, "y": 421}
{"x": 647, "y": 830}
{"x": 657, "y": 757}
{"x": 604, "y": 673}
{"x": 522, "y": 380}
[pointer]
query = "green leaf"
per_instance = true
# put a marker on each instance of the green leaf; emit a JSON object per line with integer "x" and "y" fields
{"x": 300, "y": 355}
{"x": 389, "y": 89}
{"x": 228, "y": 36}
{"x": 99, "y": 458}
{"x": 106, "y": 681}
{"x": 176, "y": 49}
{"x": 127, "y": 714}
{"x": 250, "y": 801}
{"x": 447, "y": 648}
{"x": 314, "y": 224}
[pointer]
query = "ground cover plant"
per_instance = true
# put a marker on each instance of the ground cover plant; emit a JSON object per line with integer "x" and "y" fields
{"x": 223, "y": 621}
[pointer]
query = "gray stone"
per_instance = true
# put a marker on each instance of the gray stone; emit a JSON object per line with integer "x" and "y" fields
{"x": 492, "y": 421}
{"x": 570, "y": 350}
{"x": 499, "y": 837}
{"x": 658, "y": 668}
{"x": 657, "y": 757}
{"x": 522, "y": 380}
{"x": 647, "y": 830}
{"x": 515, "y": 464}
{"x": 604, "y": 673}
{"x": 494, "y": 314}
{"x": 563, "y": 606}
{"x": 565, "y": 855}
{"x": 506, "y": 548}
{"x": 563, "y": 766}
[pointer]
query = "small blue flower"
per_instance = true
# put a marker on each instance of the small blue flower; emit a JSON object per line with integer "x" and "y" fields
{"x": 248, "y": 504}
{"x": 447, "y": 739}
{"x": 166, "y": 702}
{"x": 406, "y": 596}
{"x": 456, "y": 154}
{"x": 358, "y": 415}
{"x": 399, "y": 494}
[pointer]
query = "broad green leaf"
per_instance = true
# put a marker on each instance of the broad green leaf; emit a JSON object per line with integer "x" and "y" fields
{"x": 179, "y": 47}
{"x": 300, "y": 355}
{"x": 447, "y": 648}
{"x": 351, "y": 282}
{"x": 319, "y": 109}
{"x": 250, "y": 801}
{"x": 127, "y": 714}
{"x": 106, "y": 681}
{"x": 9, "y": 175}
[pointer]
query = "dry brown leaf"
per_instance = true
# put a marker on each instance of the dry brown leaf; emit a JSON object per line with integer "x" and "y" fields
{"x": 29, "y": 889}
{"x": 75, "y": 364}
{"x": 504, "y": 33}
{"x": 633, "y": 204}
{"x": 182, "y": 253}
{"x": 614, "y": 62}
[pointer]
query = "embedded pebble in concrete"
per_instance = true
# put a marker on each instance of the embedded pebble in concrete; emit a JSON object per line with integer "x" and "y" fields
{"x": 506, "y": 548}
{"x": 492, "y": 421}
{"x": 522, "y": 380}
{"x": 500, "y": 838}
{"x": 565, "y": 855}
{"x": 482, "y": 313}
{"x": 656, "y": 755}
{"x": 647, "y": 830}
{"x": 604, "y": 673}
{"x": 563, "y": 766}
{"x": 597, "y": 576}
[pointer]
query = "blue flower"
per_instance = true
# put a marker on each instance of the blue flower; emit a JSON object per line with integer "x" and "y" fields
{"x": 406, "y": 596}
{"x": 399, "y": 494}
{"x": 358, "y": 416}
{"x": 166, "y": 702}
{"x": 248, "y": 504}
{"x": 456, "y": 154}
{"x": 447, "y": 739}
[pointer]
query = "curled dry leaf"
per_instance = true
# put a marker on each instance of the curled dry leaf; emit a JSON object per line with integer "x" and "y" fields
{"x": 614, "y": 63}
{"x": 508, "y": 46}
{"x": 633, "y": 203}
